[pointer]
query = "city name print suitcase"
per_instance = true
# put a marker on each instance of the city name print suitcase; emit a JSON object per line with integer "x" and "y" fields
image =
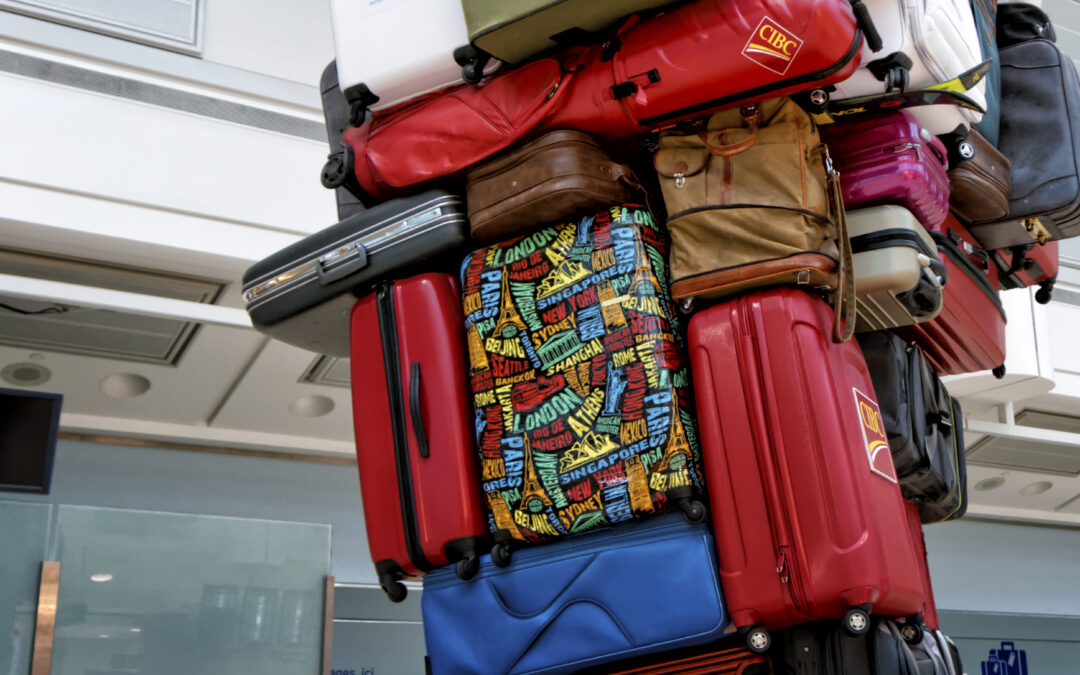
{"x": 802, "y": 487}
{"x": 890, "y": 159}
{"x": 940, "y": 41}
{"x": 303, "y": 294}
{"x": 579, "y": 381}
{"x": 636, "y": 588}
{"x": 898, "y": 277}
{"x": 969, "y": 333}
{"x": 414, "y": 442}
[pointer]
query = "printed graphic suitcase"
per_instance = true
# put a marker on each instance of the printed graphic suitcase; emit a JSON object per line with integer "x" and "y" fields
{"x": 1030, "y": 265}
{"x": 385, "y": 55}
{"x": 890, "y": 159}
{"x": 706, "y": 55}
{"x": 720, "y": 658}
{"x": 414, "y": 444}
{"x": 925, "y": 430}
{"x": 937, "y": 41}
{"x": 580, "y": 384}
{"x": 816, "y": 648}
{"x": 969, "y": 333}
{"x": 514, "y": 31}
{"x": 1040, "y": 136}
{"x": 636, "y": 588}
{"x": 303, "y": 293}
{"x": 801, "y": 482}
{"x": 898, "y": 276}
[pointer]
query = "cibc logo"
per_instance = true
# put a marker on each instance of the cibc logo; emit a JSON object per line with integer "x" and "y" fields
{"x": 772, "y": 46}
{"x": 874, "y": 436}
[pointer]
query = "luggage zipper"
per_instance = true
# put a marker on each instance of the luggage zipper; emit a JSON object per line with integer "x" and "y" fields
{"x": 904, "y": 147}
{"x": 384, "y": 302}
{"x": 781, "y": 527}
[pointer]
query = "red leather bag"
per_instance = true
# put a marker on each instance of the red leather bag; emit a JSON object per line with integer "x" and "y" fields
{"x": 450, "y": 130}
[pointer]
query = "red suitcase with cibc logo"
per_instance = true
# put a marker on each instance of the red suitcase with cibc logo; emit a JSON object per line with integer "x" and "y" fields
{"x": 809, "y": 519}
{"x": 414, "y": 438}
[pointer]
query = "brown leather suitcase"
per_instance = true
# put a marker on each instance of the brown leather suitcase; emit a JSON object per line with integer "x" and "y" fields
{"x": 556, "y": 177}
{"x": 979, "y": 182}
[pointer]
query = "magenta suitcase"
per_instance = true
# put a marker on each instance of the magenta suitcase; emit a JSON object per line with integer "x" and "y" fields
{"x": 890, "y": 159}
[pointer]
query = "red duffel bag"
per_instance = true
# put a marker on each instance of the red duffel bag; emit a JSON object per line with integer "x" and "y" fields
{"x": 674, "y": 66}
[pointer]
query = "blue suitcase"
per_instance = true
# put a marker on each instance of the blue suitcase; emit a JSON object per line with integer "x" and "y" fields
{"x": 639, "y": 587}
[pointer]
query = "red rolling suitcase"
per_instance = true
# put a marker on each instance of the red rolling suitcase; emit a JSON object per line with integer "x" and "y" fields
{"x": 1028, "y": 265}
{"x": 809, "y": 519}
{"x": 707, "y": 55}
{"x": 414, "y": 436}
{"x": 969, "y": 333}
{"x": 930, "y": 617}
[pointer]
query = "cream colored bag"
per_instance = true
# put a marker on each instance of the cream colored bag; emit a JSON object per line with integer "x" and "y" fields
{"x": 753, "y": 202}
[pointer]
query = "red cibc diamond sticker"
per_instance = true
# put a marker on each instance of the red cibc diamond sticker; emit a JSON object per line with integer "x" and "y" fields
{"x": 874, "y": 437}
{"x": 773, "y": 46}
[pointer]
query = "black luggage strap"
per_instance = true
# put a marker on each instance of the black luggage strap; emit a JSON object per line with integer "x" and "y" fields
{"x": 866, "y": 24}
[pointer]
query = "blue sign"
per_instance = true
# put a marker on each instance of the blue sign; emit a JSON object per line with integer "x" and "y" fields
{"x": 1007, "y": 660}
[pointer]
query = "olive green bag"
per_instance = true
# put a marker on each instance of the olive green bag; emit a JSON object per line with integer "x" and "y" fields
{"x": 753, "y": 202}
{"x": 514, "y": 30}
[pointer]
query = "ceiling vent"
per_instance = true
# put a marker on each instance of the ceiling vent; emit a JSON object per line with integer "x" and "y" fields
{"x": 328, "y": 370}
{"x": 40, "y": 325}
{"x": 1027, "y": 454}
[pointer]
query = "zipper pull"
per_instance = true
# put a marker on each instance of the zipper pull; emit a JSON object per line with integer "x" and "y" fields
{"x": 903, "y": 147}
{"x": 781, "y": 565}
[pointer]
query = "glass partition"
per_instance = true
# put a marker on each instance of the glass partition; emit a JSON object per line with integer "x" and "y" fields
{"x": 175, "y": 594}
{"x": 24, "y": 532}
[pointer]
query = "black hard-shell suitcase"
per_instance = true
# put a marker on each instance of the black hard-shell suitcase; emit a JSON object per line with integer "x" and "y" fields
{"x": 814, "y": 648}
{"x": 1040, "y": 136}
{"x": 303, "y": 294}
{"x": 337, "y": 173}
{"x": 923, "y": 424}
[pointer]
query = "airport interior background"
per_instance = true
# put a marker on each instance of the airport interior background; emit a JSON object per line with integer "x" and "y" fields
{"x": 205, "y": 483}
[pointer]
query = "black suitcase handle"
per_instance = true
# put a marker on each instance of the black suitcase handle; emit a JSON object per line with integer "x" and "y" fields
{"x": 414, "y": 410}
{"x": 338, "y": 272}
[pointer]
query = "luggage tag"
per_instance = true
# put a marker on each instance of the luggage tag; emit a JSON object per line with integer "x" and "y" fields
{"x": 826, "y": 111}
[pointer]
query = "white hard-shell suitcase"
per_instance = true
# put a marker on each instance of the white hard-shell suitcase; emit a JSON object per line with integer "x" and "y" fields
{"x": 390, "y": 51}
{"x": 898, "y": 275}
{"x": 940, "y": 38}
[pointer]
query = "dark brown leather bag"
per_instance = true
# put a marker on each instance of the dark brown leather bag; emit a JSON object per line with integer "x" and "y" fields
{"x": 555, "y": 177}
{"x": 980, "y": 183}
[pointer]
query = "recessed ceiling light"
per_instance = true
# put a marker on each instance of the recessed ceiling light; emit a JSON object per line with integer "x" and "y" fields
{"x": 312, "y": 406}
{"x": 101, "y": 578}
{"x": 25, "y": 374}
{"x": 1036, "y": 488}
{"x": 989, "y": 484}
{"x": 124, "y": 385}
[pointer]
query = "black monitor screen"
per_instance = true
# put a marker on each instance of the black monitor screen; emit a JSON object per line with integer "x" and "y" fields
{"x": 28, "y": 424}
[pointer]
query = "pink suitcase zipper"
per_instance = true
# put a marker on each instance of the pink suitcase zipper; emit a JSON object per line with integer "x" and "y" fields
{"x": 890, "y": 159}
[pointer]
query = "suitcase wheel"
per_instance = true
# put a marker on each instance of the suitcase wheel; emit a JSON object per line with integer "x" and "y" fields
{"x": 1046, "y": 288}
{"x": 686, "y": 306}
{"x": 912, "y": 632}
{"x": 856, "y": 621}
{"x": 500, "y": 553}
{"x": 693, "y": 511}
{"x": 467, "y": 567}
{"x": 394, "y": 589}
{"x": 472, "y": 62}
{"x": 999, "y": 372}
{"x": 758, "y": 640}
{"x": 338, "y": 167}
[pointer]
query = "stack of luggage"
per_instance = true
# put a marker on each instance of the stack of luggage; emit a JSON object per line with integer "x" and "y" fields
{"x": 647, "y": 305}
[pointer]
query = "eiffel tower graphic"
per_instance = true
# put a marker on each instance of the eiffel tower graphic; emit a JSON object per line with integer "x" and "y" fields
{"x": 609, "y": 305}
{"x": 533, "y": 497}
{"x": 501, "y": 512}
{"x": 510, "y": 322}
{"x": 478, "y": 359}
{"x": 564, "y": 273}
{"x": 677, "y": 454}
{"x": 643, "y": 283}
{"x": 640, "y": 497}
{"x": 591, "y": 446}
